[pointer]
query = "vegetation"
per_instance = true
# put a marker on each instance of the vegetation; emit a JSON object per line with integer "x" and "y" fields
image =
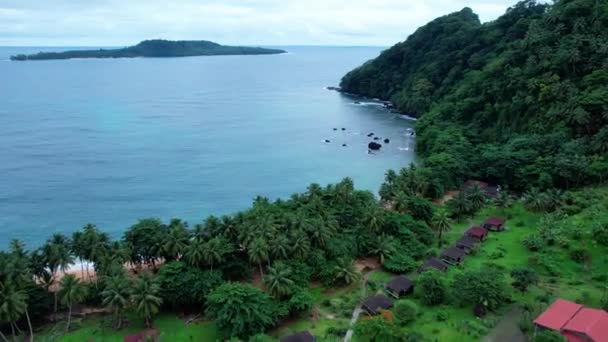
{"x": 154, "y": 48}
{"x": 520, "y": 101}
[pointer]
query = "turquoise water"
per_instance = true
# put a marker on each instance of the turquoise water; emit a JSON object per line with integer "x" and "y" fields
{"x": 110, "y": 141}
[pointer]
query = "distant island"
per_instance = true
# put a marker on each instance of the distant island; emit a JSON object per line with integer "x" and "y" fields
{"x": 155, "y": 48}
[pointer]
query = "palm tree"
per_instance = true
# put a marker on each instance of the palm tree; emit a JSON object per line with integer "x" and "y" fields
{"x": 258, "y": 252}
{"x": 300, "y": 244}
{"x": 384, "y": 247}
{"x": 503, "y": 200}
{"x": 278, "y": 280}
{"x": 176, "y": 240}
{"x": 401, "y": 202}
{"x": 194, "y": 253}
{"x": 441, "y": 223}
{"x": 460, "y": 205}
{"x": 79, "y": 246}
{"x": 372, "y": 218}
{"x": 116, "y": 295}
{"x": 319, "y": 233}
{"x": 72, "y": 292}
{"x": 215, "y": 250}
{"x": 146, "y": 298}
{"x": 344, "y": 271}
{"x": 57, "y": 253}
{"x": 13, "y": 305}
{"x": 279, "y": 247}
{"x": 476, "y": 196}
{"x": 534, "y": 200}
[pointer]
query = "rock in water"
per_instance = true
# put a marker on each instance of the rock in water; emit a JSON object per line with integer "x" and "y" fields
{"x": 371, "y": 134}
{"x": 344, "y": 129}
{"x": 386, "y": 141}
{"x": 335, "y": 129}
{"x": 327, "y": 140}
{"x": 343, "y": 145}
{"x": 376, "y": 138}
{"x": 374, "y": 146}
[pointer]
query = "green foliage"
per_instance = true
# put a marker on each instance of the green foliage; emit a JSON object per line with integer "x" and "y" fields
{"x": 240, "y": 310}
{"x": 533, "y": 242}
{"x": 523, "y": 277}
{"x": 301, "y": 301}
{"x": 400, "y": 262}
{"x": 549, "y": 336}
{"x": 183, "y": 286}
{"x": 485, "y": 286}
{"x": 278, "y": 280}
{"x": 520, "y": 101}
{"x": 431, "y": 288}
{"x": 376, "y": 329}
{"x": 405, "y": 312}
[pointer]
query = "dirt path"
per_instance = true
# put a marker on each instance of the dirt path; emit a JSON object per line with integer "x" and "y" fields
{"x": 358, "y": 309}
{"x": 507, "y": 330}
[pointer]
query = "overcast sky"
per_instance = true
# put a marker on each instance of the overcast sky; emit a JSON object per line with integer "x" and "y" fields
{"x": 246, "y": 22}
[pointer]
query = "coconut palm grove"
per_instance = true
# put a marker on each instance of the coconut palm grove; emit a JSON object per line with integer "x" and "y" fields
{"x": 501, "y": 223}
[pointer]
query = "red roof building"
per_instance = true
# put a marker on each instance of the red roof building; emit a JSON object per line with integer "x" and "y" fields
{"x": 575, "y": 322}
{"x": 477, "y": 232}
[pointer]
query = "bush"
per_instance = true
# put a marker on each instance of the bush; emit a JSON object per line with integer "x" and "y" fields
{"x": 524, "y": 277}
{"x": 579, "y": 255}
{"x": 600, "y": 233}
{"x": 405, "y": 312}
{"x": 549, "y": 336}
{"x": 442, "y": 316}
{"x": 399, "y": 263}
{"x": 301, "y": 301}
{"x": 533, "y": 242}
{"x": 431, "y": 288}
{"x": 483, "y": 287}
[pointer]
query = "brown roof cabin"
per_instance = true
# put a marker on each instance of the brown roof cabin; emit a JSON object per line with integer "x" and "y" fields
{"x": 373, "y": 305}
{"x": 478, "y": 233}
{"x": 494, "y": 224}
{"x": 453, "y": 255}
{"x": 433, "y": 263}
{"x": 302, "y": 336}
{"x": 400, "y": 286}
{"x": 467, "y": 243}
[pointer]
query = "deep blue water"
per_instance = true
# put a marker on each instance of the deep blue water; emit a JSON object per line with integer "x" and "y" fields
{"x": 109, "y": 141}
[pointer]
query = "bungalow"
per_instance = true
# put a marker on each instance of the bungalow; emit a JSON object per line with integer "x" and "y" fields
{"x": 373, "y": 305}
{"x": 400, "y": 286}
{"x": 494, "y": 224}
{"x": 433, "y": 263}
{"x": 574, "y": 321}
{"x": 453, "y": 255}
{"x": 302, "y": 336}
{"x": 478, "y": 233}
{"x": 467, "y": 243}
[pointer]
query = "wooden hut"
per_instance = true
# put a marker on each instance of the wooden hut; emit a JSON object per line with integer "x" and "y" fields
{"x": 467, "y": 244}
{"x": 478, "y": 233}
{"x": 494, "y": 224}
{"x": 302, "y": 336}
{"x": 400, "y": 286}
{"x": 453, "y": 256}
{"x": 433, "y": 263}
{"x": 373, "y": 305}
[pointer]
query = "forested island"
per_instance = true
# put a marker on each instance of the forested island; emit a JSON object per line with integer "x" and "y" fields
{"x": 513, "y": 131}
{"x": 155, "y": 48}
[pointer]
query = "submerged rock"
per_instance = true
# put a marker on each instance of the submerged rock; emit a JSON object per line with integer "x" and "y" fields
{"x": 374, "y": 146}
{"x": 344, "y": 129}
{"x": 335, "y": 129}
{"x": 327, "y": 140}
{"x": 343, "y": 145}
{"x": 377, "y": 138}
{"x": 386, "y": 141}
{"x": 370, "y": 135}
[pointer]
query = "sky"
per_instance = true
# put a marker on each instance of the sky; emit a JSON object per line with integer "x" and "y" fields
{"x": 244, "y": 22}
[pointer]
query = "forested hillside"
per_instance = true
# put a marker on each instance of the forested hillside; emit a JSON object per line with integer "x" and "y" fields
{"x": 521, "y": 101}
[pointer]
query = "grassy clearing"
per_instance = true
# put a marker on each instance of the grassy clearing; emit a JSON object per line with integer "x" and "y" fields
{"x": 171, "y": 327}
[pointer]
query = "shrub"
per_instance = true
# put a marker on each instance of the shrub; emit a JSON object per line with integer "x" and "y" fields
{"x": 431, "y": 288}
{"x": 549, "y": 336}
{"x": 485, "y": 286}
{"x": 600, "y": 233}
{"x": 523, "y": 277}
{"x": 533, "y": 242}
{"x": 579, "y": 255}
{"x": 405, "y": 312}
{"x": 442, "y": 316}
{"x": 400, "y": 263}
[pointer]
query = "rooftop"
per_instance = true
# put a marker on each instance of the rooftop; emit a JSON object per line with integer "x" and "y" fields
{"x": 558, "y": 314}
{"x": 302, "y": 336}
{"x": 454, "y": 253}
{"x": 379, "y": 302}
{"x": 399, "y": 284}
{"x": 495, "y": 221}
{"x": 477, "y": 231}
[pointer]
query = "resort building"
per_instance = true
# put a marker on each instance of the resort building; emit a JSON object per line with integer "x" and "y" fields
{"x": 574, "y": 321}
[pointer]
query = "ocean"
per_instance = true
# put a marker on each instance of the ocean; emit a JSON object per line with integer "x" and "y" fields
{"x": 110, "y": 141}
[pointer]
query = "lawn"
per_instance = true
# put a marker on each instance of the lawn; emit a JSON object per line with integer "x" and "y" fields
{"x": 93, "y": 329}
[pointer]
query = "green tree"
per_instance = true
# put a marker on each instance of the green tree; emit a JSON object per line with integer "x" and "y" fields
{"x": 116, "y": 296}
{"x": 405, "y": 312}
{"x": 385, "y": 246}
{"x": 431, "y": 288}
{"x": 523, "y": 277}
{"x": 176, "y": 240}
{"x": 376, "y": 330}
{"x": 57, "y": 253}
{"x": 441, "y": 224}
{"x": 240, "y": 310}
{"x": 71, "y": 292}
{"x": 485, "y": 286}
{"x": 145, "y": 297}
{"x": 13, "y": 305}
{"x": 258, "y": 253}
{"x": 215, "y": 250}
{"x": 278, "y": 280}
{"x": 344, "y": 271}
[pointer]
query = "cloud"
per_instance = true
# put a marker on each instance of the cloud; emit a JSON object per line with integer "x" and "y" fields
{"x": 250, "y": 22}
